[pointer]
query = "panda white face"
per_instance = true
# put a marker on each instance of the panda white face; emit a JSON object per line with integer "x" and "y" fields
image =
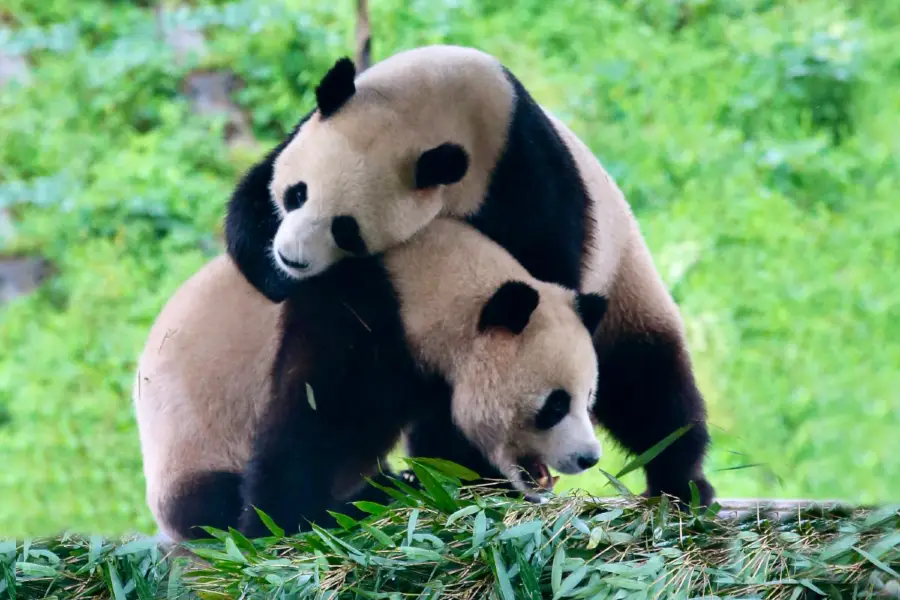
{"x": 526, "y": 433}
{"x": 562, "y": 432}
{"x": 343, "y": 194}
{"x": 525, "y": 394}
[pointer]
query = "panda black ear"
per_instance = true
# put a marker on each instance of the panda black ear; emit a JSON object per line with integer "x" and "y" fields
{"x": 336, "y": 87}
{"x": 509, "y": 308}
{"x": 591, "y": 308}
{"x": 441, "y": 165}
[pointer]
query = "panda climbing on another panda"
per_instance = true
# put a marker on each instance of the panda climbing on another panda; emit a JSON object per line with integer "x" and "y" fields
{"x": 449, "y": 131}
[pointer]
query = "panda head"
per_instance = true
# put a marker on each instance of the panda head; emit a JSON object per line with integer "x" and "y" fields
{"x": 355, "y": 180}
{"x": 524, "y": 396}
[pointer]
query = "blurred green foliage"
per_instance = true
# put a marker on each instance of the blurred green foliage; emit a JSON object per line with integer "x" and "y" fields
{"x": 756, "y": 140}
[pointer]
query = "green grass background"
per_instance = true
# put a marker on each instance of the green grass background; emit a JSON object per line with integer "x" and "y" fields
{"x": 757, "y": 141}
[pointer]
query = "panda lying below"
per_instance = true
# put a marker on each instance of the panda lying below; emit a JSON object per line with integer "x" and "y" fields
{"x": 448, "y": 321}
{"x": 381, "y": 340}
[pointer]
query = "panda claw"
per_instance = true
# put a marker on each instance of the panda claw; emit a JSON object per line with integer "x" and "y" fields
{"x": 536, "y": 499}
{"x": 408, "y": 477}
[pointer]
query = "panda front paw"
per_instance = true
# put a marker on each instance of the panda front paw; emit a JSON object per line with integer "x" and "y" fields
{"x": 408, "y": 476}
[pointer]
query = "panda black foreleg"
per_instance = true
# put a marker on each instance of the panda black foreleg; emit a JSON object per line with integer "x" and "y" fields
{"x": 290, "y": 476}
{"x": 646, "y": 391}
{"x": 205, "y": 499}
{"x": 434, "y": 435}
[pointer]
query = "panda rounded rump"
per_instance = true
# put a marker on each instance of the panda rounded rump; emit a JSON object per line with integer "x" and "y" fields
{"x": 201, "y": 385}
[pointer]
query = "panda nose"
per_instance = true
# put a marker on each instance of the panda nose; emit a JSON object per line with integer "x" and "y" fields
{"x": 586, "y": 461}
{"x": 300, "y": 266}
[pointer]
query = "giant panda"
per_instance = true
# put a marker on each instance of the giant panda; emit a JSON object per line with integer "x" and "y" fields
{"x": 449, "y": 131}
{"x": 445, "y": 325}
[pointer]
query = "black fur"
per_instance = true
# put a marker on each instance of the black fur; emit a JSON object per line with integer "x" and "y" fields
{"x": 509, "y": 308}
{"x": 536, "y": 205}
{"x": 211, "y": 499}
{"x": 645, "y": 392}
{"x": 336, "y": 87}
{"x": 295, "y": 196}
{"x": 554, "y": 410}
{"x": 251, "y": 223}
{"x": 343, "y": 336}
{"x": 591, "y": 308}
{"x": 442, "y": 165}
{"x": 346, "y": 234}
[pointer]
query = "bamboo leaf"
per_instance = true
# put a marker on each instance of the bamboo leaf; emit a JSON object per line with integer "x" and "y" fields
{"x": 36, "y": 570}
{"x": 529, "y": 575}
{"x": 653, "y": 452}
{"x": 627, "y": 584}
{"x": 134, "y": 547}
{"x": 422, "y": 554}
{"x": 463, "y": 512}
{"x": 232, "y": 550}
{"x": 118, "y": 591}
{"x": 373, "y": 508}
{"x": 310, "y": 397}
{"x": 269, "y": 523}
{"x": 838, "y": 547}
{"x": 559, "y": 559}
{"x": 442, "y": 499}
{"x": 396, "y": 494}
{"x": 411, "y": 525}
{"x": 620, "y": 487}
{"x": 521, "y": 530}
{"x": 571, "y": 582}
{"x": 877, "y": 563}
{"x": 480, "y": 529}
{"x": 506, "y": 590}
{"x": 346, "y": 523}
{"x": 242, "y": 542}
{"x": 449, "y": 468}
{"x": 379, "y": 535}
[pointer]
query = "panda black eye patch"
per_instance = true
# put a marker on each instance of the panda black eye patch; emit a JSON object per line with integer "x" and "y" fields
{"x": 295, "y": 196}
{"x": 347, "y": 237}
{"x": 554, "y": 410}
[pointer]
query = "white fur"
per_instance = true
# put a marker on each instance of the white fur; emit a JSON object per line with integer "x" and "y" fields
{"x": 572, "y": 437}
{"x": 302, "y": 238}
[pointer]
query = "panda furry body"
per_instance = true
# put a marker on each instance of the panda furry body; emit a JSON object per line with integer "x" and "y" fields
{"x": 446, "y": 321}
{"x": 444, "y": 130}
